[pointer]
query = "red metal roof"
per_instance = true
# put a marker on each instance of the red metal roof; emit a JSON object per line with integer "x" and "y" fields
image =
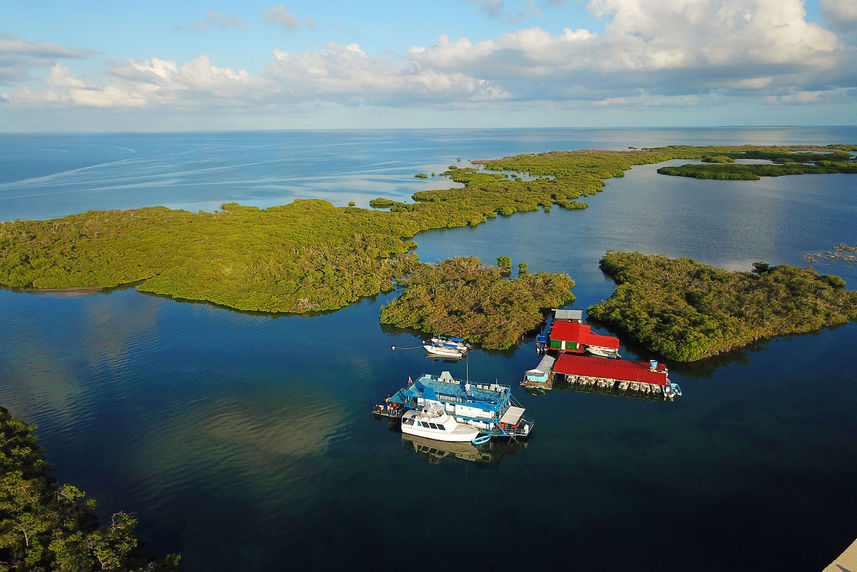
{"x": 580, "y": 333}
{"x": 621, "y": 370}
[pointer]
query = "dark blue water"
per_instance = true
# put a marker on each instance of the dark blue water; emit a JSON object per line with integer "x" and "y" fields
{"x": 245, "y": 441}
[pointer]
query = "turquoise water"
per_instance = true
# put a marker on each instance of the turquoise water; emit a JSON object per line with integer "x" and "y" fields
{"x": 245, "y": 441}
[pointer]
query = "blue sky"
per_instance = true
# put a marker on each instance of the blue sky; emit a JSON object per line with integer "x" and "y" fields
{"x": 202, "y": 65}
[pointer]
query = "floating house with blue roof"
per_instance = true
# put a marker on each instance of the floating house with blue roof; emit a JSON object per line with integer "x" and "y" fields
{"x": 489, "y": 407}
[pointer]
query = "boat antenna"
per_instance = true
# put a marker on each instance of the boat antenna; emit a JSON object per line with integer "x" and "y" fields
{"x": 467, "y": 366}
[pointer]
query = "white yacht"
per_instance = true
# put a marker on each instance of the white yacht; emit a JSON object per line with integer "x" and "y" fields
{"x": 433, "y": 422}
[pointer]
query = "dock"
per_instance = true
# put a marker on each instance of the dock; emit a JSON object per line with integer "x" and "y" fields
{"x": 388, "y": 410}
{"x": 607, "y": 374}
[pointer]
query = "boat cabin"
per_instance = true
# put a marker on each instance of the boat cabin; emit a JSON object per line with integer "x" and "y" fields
{"x": 542, "y": 371}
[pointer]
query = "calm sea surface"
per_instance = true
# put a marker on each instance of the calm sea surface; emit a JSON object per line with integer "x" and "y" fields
{"x": 245, "y": 442}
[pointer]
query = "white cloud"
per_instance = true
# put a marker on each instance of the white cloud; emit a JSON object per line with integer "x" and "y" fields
{"x": 213, "y": 18}
{"x": 346, "y": 73}
{"x": 684, "y": 33}
{"x": 491, "y": 8}
{"x": 516, "y": 12}
{"x": 649, "y": 53}
{"x": 338, "y": 74}
{"x": 18, "y": 58}
{"x": 840, "y": 15}
{"x": 192, "y": 85}
{"x": 280, "y": 16}
{"x": 680, "y": 46}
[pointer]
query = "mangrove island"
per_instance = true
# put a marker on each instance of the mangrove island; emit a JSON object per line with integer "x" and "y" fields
{"x": 309, "y": 255}
{"x": 687, "y": 311}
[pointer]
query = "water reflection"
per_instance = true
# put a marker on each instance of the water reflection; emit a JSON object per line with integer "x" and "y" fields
{"x": 594, "y": 389}
{"x": 114, "y": 327}
{"x": 262, "y": 439}
{"x": 434, "y": 451}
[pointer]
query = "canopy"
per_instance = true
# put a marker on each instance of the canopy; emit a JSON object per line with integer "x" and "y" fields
{"x": 512, "y": 415}
{"x": 544, "y": 366}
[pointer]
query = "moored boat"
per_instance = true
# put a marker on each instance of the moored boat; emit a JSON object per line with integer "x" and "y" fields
{"x": 489, "y": 408}
{"x": 446, "y": 347}
{"x": 433, "y": 422}
{"x": 602, "y": 351}
{"x": 439, "y": 350}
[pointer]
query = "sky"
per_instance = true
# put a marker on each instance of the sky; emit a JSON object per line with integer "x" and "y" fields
{"x": 195, "y": 65}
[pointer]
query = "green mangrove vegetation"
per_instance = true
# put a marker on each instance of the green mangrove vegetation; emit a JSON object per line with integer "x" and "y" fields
{"x": 718, "y": 159}
{"x": 44, "y": 526}
{"x": 783, "y": 162}
{"x": 461, "y": 297}
{"x": 688, "y": 311}
{"x": 308, "y": 255}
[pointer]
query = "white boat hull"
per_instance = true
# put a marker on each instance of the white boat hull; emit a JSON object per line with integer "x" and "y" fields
{"x": 465, "y": 436}
{"x": 444, "y": 352}
{"x": 441, "y": 427}
{"x": 603, "y": 352}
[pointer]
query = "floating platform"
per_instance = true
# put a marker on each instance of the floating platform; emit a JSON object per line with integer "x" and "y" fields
{"x": 609, "y": 375}
{"x": 388, "y": 409}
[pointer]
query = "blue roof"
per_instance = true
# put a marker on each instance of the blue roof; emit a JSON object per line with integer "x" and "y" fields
{"x": 486, "y": 396}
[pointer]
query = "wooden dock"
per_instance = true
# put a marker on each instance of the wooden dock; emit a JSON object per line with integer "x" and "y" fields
{"x": 542, "y": 385}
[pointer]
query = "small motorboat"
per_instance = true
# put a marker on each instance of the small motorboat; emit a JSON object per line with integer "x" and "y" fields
{"x": 672, "y": 390}
{"x": 446, "y": 347}
{"x": 481, "y": 440}
{"x": 602, "y": 351}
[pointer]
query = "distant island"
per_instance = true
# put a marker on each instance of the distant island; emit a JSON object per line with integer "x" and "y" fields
{"x": 834, "y": 159}
{"x": 687, "y": 311}
{"x": 310, "y": 256}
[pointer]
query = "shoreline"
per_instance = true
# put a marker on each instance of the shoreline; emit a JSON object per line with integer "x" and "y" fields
{"x": 66, "y": 291}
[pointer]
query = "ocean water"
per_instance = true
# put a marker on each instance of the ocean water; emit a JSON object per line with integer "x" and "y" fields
{"x": 245, "y": 441}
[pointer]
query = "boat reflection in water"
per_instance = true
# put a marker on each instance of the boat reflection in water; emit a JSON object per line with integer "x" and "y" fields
{"x": 435, "y": 451}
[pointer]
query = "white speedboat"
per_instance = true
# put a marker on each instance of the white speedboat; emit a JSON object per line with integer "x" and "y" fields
{"x": 457, "y": 343}
{"x": 443, "y": 351}
{"x": 602, "y": 351}
{"x": 446, "y": 347}
{"x": 433, "y": 422}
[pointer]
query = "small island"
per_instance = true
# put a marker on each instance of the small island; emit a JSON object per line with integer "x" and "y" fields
{"x": 460, "y": 296}
{"x": 687, "y": 311}
{"x": 44, "y": 526}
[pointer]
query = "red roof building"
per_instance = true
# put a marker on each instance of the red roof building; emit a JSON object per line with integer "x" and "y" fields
{"x": 574, "y": 337}
{"x": 620, "y": 370}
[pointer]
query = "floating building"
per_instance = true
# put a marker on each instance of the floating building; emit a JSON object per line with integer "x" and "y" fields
{"x": 564, "y": 345}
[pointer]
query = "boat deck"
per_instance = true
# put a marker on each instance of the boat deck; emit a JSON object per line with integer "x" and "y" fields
{"x": 456, "y": 391}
